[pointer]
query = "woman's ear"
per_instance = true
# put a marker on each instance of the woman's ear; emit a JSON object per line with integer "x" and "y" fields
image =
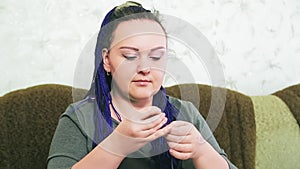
{"x": 106, "y": 63}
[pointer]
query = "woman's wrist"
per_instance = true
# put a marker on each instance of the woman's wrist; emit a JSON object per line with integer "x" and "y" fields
{"x": 99, "y": 158}
{"x": 110, "y": 155}
{"x": 204, "y": 150}
{"x": 209, "y": 158}
{"x": 118, "y": 144}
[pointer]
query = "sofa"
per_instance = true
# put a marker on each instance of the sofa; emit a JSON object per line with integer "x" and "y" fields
{"x": 256, "y": 132}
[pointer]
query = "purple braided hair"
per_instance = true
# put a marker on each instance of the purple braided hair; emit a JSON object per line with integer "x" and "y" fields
{"x": 100, "y": 87}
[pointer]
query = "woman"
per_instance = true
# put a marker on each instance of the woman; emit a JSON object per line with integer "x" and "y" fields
{"x": 126, "y": 120}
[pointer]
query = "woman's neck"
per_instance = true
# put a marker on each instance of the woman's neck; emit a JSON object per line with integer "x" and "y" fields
{"x": 118, "y": 100}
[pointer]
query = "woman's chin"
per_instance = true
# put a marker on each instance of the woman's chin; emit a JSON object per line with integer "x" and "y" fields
{"x": 142, "y": 96}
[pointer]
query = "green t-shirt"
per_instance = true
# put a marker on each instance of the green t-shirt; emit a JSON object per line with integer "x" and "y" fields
{"x": 73, "y": 136}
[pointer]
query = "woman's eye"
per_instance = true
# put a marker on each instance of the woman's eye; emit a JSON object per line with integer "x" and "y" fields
{"x": 130, "y": 56}
{"x": 155, "y": 57}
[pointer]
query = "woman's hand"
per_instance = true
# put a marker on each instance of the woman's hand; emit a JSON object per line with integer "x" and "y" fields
{"x": 185, "y": 141}
{"x": 136, "y": 130}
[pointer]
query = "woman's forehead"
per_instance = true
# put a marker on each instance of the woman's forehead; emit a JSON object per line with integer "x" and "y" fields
{"x": 137, "y": 29}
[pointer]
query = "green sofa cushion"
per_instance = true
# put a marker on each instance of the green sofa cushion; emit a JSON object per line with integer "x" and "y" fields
{"x": 277, "y": 134}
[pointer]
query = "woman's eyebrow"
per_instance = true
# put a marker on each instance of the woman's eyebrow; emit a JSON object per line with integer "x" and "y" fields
{"x": 129, "y": 47}
{"x": 136, "y": 49}
{"x": 158, "y": 48}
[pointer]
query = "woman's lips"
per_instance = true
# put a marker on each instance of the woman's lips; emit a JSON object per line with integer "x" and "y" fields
{"x": 142, "y": 82}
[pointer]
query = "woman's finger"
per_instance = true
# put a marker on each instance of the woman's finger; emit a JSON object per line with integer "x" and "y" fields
{"x": 181, "y": 147}
{"x": 146, "y": 113}
{"x": 155, "y": 122}
{"x": 147, "y": 132}
{"x": 132, "y": 114}
{"x": 181, "y": 130}
{"x": 158, "y": 133}
{"x": 177, "y": 139}
{"x": 180, "y": 155}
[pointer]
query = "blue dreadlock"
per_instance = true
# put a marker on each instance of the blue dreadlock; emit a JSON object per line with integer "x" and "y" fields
{"x": 101, "y": 84}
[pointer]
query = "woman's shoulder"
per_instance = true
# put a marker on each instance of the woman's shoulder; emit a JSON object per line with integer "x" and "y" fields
{"x": 177, "y": 102}
{"x": 83, "y": 106}
{"x": 80, "y": 112}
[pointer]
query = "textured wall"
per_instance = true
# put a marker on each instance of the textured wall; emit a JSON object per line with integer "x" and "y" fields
{"x": 257, "y": 41}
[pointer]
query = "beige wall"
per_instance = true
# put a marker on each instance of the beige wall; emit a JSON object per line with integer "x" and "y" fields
{"x": 257, "y": 41}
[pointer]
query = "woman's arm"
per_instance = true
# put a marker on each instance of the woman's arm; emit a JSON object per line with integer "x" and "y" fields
{"x": 69, "y": 149}
{"x": 69, "y": 145}
{"x": 195, "y": 139}
{"x": 129, "y": 136}
{"x": 98, "y": 158}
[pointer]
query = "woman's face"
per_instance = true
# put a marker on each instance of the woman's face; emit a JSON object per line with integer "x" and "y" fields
{"x": 137, "y": 59}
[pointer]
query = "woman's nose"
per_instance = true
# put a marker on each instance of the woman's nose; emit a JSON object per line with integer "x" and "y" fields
{"x": 143, "y": 66}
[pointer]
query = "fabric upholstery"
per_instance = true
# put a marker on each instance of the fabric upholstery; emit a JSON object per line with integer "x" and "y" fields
{"x": 291, "y": 97}
{"x": 277, "y": 134}
{"x": 28, "y": 118}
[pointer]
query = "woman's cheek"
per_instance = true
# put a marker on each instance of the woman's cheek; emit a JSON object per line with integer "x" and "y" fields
{"x": 123, "y": 75}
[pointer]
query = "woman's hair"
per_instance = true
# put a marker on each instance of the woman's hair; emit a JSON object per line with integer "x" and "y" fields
{"x": 101, "y": 85}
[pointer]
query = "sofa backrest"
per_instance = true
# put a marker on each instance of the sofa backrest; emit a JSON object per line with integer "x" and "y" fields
{"x": 29, "y": 117}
